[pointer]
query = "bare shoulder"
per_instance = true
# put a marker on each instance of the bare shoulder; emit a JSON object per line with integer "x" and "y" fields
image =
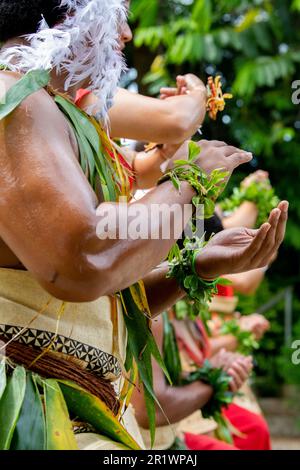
{"x": 39, "y": 108}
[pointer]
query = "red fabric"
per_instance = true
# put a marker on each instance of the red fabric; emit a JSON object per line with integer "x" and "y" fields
{"x": 80, "y": 95}
{"x": 253, "y": 426}
{"x": 202, "y": 442}
{"x": 225, "y": 291}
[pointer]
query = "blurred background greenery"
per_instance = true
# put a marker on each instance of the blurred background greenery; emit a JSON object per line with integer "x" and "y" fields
{"x": 255, "y": 46}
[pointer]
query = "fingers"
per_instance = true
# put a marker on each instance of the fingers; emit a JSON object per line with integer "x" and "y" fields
{"x": 258, "y": 176}
{"x": 238, "y": 376}
{"x": 271, "y": 236}
{"x": 234, "y": 384}
{"x": 239, "y": 371}
{"x": 212, "y": 143}
{"x": 257, "y": 243}
{"x": 281, "y": 228}
{"x": 168, "y": 93}
{"x": 278, "y": 220}
{"x": 239, "y": 158}
{"x": 181, "y": 81}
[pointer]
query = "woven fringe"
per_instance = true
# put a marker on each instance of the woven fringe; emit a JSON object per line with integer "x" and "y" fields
{"x": 54, "y": 366}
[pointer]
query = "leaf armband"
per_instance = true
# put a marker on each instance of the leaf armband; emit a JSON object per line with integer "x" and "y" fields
{"x": 207, "y": 187}
{"x": 222, "y": 397}
{"x": 260, "y": 193}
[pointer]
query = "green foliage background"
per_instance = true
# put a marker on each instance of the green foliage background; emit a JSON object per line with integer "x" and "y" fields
{"x": 255, "y": 46}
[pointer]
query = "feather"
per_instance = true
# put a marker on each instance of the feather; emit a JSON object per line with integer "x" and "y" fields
{"x": 83, "y": 47}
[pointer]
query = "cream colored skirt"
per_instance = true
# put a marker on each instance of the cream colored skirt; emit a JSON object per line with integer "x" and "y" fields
{"x": 93, "y": 333}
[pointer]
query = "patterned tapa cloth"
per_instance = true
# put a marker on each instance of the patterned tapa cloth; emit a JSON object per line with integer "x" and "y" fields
{"x": 84, "y": 331}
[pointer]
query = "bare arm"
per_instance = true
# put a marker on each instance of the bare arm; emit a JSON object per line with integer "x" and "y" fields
{"x": 48, "y": 210}
{"x": 228, "y": 342}
{"x": 177, "y": 402}
{"x": 147, "y": 166}
{"x": 244, "y": 216}
{"x": 138, "y": 117}
{"x": 247, "y": 283}
{"x": 162, "y": 293}
{"x": 235, "y": 250}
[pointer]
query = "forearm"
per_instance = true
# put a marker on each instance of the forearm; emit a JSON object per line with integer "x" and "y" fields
{"x": 104, "y": 267}
{"x": 180, "y": 402}
{"x": 165, "y": 121}
{"x": 228, "y": 342}
{"x": 177, "y": 403}
{"x": 148, "y": 166}
{"x": 247, "y": 283}
{"x": 162, "y": 293}
{"x": 244, "y": 216}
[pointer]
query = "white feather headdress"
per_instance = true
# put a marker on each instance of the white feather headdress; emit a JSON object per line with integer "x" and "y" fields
{"x": 83, "y": 46}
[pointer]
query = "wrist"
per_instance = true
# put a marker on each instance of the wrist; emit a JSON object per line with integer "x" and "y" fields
{"x": 203, "y": 270}
{"x": 199, "y": 93}
{"x": 185, "y": 186}
{"x": 205, "y": 394}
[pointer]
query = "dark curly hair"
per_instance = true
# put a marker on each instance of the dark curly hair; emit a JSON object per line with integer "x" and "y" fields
{"x": 19, "y": 17}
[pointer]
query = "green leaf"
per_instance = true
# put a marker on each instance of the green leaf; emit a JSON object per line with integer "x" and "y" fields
{"x": 194, "y": 151}
{"x": 90, "y": 147}
{"x": 10, "y": 406}
{"x": 171, "y": 351}
{"x": 224, "y": 282}
{"x": 223, "y": 432}
{"x": 30, "y": 431}
{"x": 209, "y": 208}
{"x": 26, "y": 86}
{"x": 180, "y": 162}
{"x": 2, "y": 377}
{"x": 88, "y": 138}
{"x": 60, "y": 434}
{"x": 93, "y": 411}
{"x": 143, "y": 347}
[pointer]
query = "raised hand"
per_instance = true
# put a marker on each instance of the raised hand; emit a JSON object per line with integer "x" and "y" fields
{"x": 215, "y": 154}
{"x": 255, "y": 323}
{"x": 240, "y": 250}
{"x": 258, "y": 176}
{"x": 237, "y": 366}
{"x": 185, "y": 84}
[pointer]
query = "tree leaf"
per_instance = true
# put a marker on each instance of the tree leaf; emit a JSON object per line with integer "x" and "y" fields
{"x": 142, "y": 345}
{"x": 92, "y": 410}
{"x": 194, "y": 151}
{"x": 2, "y": 377}
{"x": 59, "y": 429}
{"x": 30, "y": 431}
{"x": 10, "y": 406}
{"x": 26, "y": 86}
{"x": 171, "y": 351}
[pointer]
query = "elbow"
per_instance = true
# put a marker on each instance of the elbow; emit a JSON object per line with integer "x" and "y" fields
{"x": 78, "y": 285}
{"x": 179, "y": 128}
{"x": 78, "y": 279}
{"x": 182, "y": 130}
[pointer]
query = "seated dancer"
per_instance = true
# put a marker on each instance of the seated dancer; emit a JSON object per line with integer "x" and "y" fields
{"x": 69, "y": 297}
{"x": 196, "y": 346}
{"x": 181, "y": 404}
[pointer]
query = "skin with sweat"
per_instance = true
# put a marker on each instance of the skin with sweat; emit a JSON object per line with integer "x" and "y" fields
{"x": 48, "y": 213}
